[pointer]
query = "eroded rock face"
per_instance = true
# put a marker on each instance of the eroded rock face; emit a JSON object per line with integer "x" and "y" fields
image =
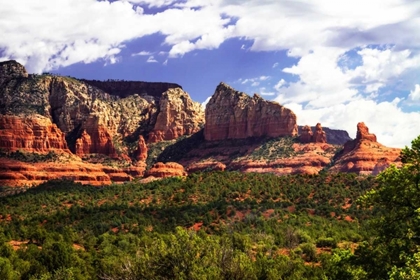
{"x": 306, "y": 134}
{"x": 231, "y": 114}
{"x": 141, "y": 151}
{"x": 178, "y": 115}
{"x": 319, "y": 135}
{"x": 364, "y": 155}
{"x": 11, "y": 70}
{"x": 16, "y": 173}
{"x": 31, "y": 134}
{"x": 163, "y": 170}
{"x": 363, "y": 133}
{"x": 335, "y": 136}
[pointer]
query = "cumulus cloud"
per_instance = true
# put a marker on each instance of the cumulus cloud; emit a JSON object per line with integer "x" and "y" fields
{"x": 142, "y": 53}
{"x": 348, "y": 52}
{"x": 151, "y": 59}
{"x": 414, "y": 95}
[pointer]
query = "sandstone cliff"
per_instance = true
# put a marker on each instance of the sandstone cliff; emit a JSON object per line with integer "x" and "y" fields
{"x": 163, "y": 170}
{"x": 178, "y": 115}
{"x": 31, "y": 134}
{"x": 334, "y": 136}
{"x": 364, "y": 155}
{"x": 94, "y": 121}
{"x": 308, "y": 136}
{"x": 231, "y": 114}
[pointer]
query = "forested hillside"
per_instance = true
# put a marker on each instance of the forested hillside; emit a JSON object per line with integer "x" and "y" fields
{"x": 218, "y": 225}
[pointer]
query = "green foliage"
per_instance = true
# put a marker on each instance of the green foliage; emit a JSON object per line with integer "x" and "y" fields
{"x": 246, "y": 220}
{"x": 30, "y": 157}
{"x": 326, "y": 242}
{"x": 397, "y": 227}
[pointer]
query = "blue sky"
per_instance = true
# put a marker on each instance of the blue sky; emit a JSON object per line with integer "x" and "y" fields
{"x": 334, "y": 62}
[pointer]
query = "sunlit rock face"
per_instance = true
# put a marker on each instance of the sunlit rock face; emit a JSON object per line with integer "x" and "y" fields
{"x": 231, "y": 114}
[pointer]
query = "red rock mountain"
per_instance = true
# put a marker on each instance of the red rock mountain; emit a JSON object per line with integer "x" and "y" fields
{"x": 308, "y": 136}
{"x": 364, "y": 155}
{"x": 31, "y": 134}
{"x": 103, "y": 132}
{"x": 231, "y": 114}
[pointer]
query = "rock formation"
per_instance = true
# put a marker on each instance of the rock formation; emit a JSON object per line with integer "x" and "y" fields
{"x": 11, "y": 70}
{"x": 141, "y": 151}
{"x": 363, "y": 133}
{"x": 178, "y": 115}
{"x": 319, "y": 135}
{"x": 335, "y": 136}
{"x": 364, "y": 155}
{"x": 31, "y": 134}
{"x": 163, "y": 170}
{"x": 231, "y": 114}
{"x": 83, "y": 110}
{"x": 306, "y": 134}
{"x": 17, "y": 173}
{"x": 83, "y": 144}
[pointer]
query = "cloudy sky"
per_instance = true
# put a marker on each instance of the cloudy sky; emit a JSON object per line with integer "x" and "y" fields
{"x": 337, "y": 62}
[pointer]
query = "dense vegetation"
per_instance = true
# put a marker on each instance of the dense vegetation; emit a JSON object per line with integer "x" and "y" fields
{"x": 218, "y": 225}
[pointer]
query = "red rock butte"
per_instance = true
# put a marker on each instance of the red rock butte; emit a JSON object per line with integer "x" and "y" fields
{"x": 231, "y": 114}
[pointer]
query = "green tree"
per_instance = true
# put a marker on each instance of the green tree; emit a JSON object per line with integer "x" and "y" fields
{"x": 397, "y": 227}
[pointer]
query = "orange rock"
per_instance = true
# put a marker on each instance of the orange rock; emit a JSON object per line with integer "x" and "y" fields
{"x": 163, "y": 170}
{"x": 100, "y": 139}
{"x": 16, "y": 173}
{"x": 363, "y": 133}
{"x": 364, "y": 155}
{"x": 31, "y": 134}
{"x": 319, "y": 135}
{"x": 178, "y": 116}
{"x": 83, "y": 144}
{"x": 141, "y": 152}
{"x": 306, "y": 135}
{"x": 231, "y": 114}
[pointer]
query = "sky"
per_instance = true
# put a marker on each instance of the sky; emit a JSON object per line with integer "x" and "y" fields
{"x": 337, "y": 62}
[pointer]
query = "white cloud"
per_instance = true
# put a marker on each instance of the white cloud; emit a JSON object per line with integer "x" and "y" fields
{"x": 142, "y": 53}
{"x": 151, "y": 59}
{"x": 414, "y": 95}
{"x": 324, "y": 36}
{"x": 392, "y": 126}
{"x": 205, "y": 102}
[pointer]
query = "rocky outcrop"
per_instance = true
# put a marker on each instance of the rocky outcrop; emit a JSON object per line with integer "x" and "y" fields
{"x": 163, "y": 170}
{"x": 364, "y": 155}
{"x": 363, "y": 133}
{"x": 127, "y": 88}
{"x": 106, "y": 112}
{"x": 335, "y": 136}
{"x": 17, "y": 173}
{"x": 83, "y": 144}
{"x": 231, "y": 114}
{"x": 319, "y": 135}
{"x": 11, "y": 70}
{"x": 178, "y": 115}
{"x": 306, "y": 134}
{"x": 31, "y": 134}
{"x": 141, "y": 152}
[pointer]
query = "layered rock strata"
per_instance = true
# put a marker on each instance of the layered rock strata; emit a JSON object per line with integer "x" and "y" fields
{"x": 164, "y": 170}
{"x": 178, "y": 115}
{"x": 308, "y": 136}
{"x": 364, "y": 155}
{"x": 231, "y": 114}
{"x": 335, "y": 136}
{"x": 31, "y": 134}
